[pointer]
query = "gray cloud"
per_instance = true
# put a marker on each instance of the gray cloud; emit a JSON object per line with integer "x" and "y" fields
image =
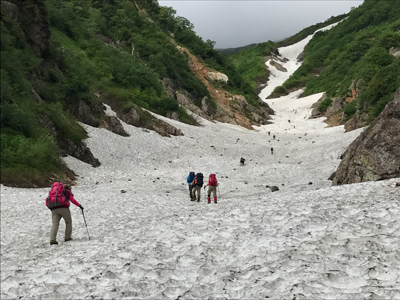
{"x": 240, "y": 23}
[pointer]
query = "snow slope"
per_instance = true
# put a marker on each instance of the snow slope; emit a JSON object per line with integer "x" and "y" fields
{"x": 307, "y": 240}
{"x": 288, "y": 60}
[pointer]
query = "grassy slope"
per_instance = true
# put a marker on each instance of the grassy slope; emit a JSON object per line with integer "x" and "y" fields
{"x": 250, "y": 62}
{"x": 121, "y": 49}
{"x": 355, "y": 54}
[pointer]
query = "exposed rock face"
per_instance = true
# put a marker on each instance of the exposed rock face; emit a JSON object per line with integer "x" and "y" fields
{"x": 165, "y": 129}
{"x": 316, "y": 112}
{"x": 395, "y": 52}
{"x": 67, "y": 146}
{"x": 77, "y": 150}
{"x": 137, "y": 117}
{"x": 233, "y": 109}
{"x": 300, "y": 57}
{"x": 218, "y": 76}
{"x": 334, "y": 108}
{"x": 32, "y": 16}
{"x": 357, "y": 121}
{"x": 113, "y": 124}
{"x": 131, "y": 117}
{"x": 85, "y": 115}
{"x": 375, "y": 154}
{"x": 277, "y": 65}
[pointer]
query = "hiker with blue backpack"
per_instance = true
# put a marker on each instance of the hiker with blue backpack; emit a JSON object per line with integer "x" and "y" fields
{"x": 58, "y": 202}
{"x": 189, "y": 181}
{"x": 197, "y": 185}
{"x": 212, "y": 188}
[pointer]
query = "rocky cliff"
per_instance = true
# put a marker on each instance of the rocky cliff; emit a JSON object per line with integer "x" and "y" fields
{"x": 375, "y": 154}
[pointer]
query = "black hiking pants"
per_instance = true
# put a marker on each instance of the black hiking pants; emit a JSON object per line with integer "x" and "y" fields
{"x": 190, "y": 191}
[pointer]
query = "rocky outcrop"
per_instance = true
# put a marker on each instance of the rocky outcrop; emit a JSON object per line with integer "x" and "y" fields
{"x": 233, "y": 109}
{"x": 113, "y": 124}
{"x": 300, "y": 57}
{"x": 277, "y": 66}
{"x": 357, "y": 121}
{"x": 334, "y": 108}
{"x": 316, "y": 112}
{"x": 395, "y": 52}
{"x": 66, "y": 146}
{"x": 138, "y": 117}
{"x": 32, "y": 16}
{"x": 85, "y": 115}
{"x": 375, "y": 154}
{"x": 217, "y": 76}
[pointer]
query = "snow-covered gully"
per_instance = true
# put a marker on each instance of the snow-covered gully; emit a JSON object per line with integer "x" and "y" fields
{"x": 148, "y": 241}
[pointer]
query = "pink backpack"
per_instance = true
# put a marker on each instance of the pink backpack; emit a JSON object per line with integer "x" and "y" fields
{"x": 56, "y": 196}
{"x": 212, "y": 180}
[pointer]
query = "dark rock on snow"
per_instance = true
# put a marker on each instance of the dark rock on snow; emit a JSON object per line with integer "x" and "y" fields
{"x": 375, "y": 154}
{"x": 274, "y": 188}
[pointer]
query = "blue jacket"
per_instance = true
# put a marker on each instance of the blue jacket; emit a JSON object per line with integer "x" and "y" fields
{"x": 189, "y": 180}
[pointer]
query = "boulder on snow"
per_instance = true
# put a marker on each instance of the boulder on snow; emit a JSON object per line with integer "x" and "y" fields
{"x": 274, "y": 188}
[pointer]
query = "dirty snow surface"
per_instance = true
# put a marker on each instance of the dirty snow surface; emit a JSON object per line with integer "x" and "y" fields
{"x": 307, "y": 240}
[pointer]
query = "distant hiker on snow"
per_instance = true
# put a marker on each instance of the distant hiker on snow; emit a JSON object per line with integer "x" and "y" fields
{"x": 58, "y": 203}
{"x": 212, "y": 188}
{"x": 189, "y": 180}
{"x": 272, "y": 150}
{"x": 242, "y": 160}
{"x": 197, "y": 185}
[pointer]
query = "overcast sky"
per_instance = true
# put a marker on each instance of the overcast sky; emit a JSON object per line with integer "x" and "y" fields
{"x": 234, "y": 23}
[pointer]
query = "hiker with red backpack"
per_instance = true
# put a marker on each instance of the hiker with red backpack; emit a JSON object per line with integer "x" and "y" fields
{"x": 212, "y": 188}
{"x": 197, "y": 185}
{"x": 58, "y": 203}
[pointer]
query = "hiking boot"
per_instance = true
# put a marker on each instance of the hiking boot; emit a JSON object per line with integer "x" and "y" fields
{"x": 53, "y": 243}
{"x": 198, "y": 200}
{"x": 69, "y": 239}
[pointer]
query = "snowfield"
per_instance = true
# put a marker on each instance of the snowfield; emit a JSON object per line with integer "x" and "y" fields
{"x": 308, "y": 240}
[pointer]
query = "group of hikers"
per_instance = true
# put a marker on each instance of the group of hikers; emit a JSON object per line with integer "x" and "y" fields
{"x": 195, "y": 182}
{"x": 60, "y": 196}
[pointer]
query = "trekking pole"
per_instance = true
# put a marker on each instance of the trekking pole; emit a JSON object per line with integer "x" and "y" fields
{"x": 85, "y": 224}
{"x": 219, "y": 193}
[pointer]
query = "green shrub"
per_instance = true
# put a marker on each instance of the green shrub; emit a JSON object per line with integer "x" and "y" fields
{"x": 66, "y": 123}
{"x": 350, "y": 109}
{"x": 323, "y": 106}
{"x": 22, "y": 153}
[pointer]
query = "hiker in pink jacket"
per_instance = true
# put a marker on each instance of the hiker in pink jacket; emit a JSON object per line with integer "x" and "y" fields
{"x": 62, "y": 211}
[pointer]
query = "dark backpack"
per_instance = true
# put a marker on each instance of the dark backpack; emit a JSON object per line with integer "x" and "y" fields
{"x": 191, "y": 177}
{"x": 198, "y": 180}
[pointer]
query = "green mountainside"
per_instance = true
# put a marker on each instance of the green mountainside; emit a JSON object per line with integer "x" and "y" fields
{"x": 251, "y": 62}
{"x": 61, "y": 59}
{"x": 356, "y": 62}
